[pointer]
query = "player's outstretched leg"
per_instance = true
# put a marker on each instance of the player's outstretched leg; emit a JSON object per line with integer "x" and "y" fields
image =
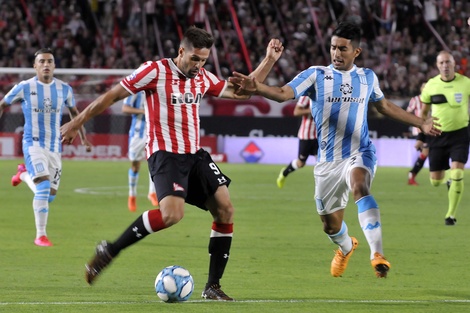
{"x": 99, "y": 262}
{"x": 15, "y": 179}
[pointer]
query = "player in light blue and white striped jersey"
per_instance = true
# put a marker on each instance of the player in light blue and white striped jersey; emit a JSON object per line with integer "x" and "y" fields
{"x": 43, "y": 99}
{"x": 135, "y": 105}
{"x": 340, "y": 94}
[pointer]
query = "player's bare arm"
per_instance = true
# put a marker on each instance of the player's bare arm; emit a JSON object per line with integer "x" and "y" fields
{"x": 427, "y": 126}
{"x": 251, "y": 85}
{"x": 301, "y": 111}
{"x": 131, "y": 110}
{"x": 81, "y": 132}
{"x": 3, "y": 106}
{"x": 69, "y": 130}
{"x": 273, "y": 53}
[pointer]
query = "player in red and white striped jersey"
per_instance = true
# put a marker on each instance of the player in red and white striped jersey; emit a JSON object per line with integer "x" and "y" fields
{"x": 415, "y": 106}
{"x": 308, "y": 143}
{"x": 180, "y": 169}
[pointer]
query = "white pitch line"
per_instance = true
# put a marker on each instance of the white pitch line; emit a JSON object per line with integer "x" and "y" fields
{"x": 248, "y": 301}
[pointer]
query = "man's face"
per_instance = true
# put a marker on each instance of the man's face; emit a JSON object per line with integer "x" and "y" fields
{"x": 343, "y": 53}
{"x": 446, "y": 65}
{"x": 192, "y": 59}
{"x": 44, "y": 65}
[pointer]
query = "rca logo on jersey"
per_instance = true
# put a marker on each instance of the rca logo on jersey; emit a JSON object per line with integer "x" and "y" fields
{"x": 186, "y": 98}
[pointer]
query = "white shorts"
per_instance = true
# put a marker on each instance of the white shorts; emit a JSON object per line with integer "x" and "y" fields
{"x": 42, "y": 162}
{"x": 136, "y": 149}
{"x": 333, "y": 181}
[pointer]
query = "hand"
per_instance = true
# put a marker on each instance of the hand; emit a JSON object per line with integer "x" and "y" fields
{"x": 429, "y": 127}
{"x": 274, "y": 50}
{"x": 245, "y": 85}
{"x": 68, "y": 133}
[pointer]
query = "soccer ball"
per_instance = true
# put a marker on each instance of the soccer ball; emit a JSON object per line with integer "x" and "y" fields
{"x": 174, "y": 284}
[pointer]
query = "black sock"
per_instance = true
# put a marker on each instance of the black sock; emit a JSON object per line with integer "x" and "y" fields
{"x": 135, "y": 232}
{"x": 289, "y": 169}
{"x": 219, "y": 251}
{"x": 418, "y": 165}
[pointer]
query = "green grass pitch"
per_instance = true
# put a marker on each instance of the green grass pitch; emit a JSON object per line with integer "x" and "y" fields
{"x": 279, "y": 260}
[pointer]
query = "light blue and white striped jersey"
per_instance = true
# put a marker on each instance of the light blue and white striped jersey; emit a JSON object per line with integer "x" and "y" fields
{"x": 339, "y": 107}
{"x": 137, "y": 128}
{"x": 42, "y": 106}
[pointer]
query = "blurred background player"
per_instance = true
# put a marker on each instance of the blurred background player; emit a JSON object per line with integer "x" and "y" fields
{"x": 42, "y": 99}
{"x": 135, "y": 105}
{"x": 308, "y": 144}
{"x": 447, "y": 96}
{"x": 415, "y": 106}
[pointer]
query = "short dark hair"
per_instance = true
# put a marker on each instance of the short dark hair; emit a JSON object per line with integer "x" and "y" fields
{"x": 197, "y": 38}
{"x": 349, "y": 30}
{"x": 43, "y": 50}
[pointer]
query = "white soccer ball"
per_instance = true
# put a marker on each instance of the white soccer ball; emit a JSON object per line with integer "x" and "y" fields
{"x": 174, "y": 284}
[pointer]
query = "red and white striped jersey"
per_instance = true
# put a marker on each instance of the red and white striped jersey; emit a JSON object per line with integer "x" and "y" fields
{"x": 416, "y": 107}
{"x": 307, "y": 129}
{"x": 172, "y": 108}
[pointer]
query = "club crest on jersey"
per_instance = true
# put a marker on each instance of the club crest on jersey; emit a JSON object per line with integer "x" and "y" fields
{"x": 185, "y": 98}
{"x": 346, "y": 88}
{"x": 458, "y": 97}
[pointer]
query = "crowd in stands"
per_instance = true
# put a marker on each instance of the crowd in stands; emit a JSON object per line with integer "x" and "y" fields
{"x": 401, "y": 37}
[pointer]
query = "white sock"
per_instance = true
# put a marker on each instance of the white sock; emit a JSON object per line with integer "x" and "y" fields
{"x": 342, "y": 239}
{"x": 41, "y": 207}
{"x": 27, "y": 179}
{"x": 372, "y": 228}
{"x": 294, "y": 164}
{"x": 133, "y": 180}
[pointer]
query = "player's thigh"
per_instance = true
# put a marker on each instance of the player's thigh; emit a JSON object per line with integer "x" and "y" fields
{"x": 438, "y": 159}
{"x": 306, "y": 148}
{"x": 55, "y": 169}
{"x": 365, "y": 160}
{"x": 170, "y": 173}
{"x": 459, "y": 152}
{"x": 204, "y": 180}
{"x": 36, "y": 161}
{"x": 331, "y": 190}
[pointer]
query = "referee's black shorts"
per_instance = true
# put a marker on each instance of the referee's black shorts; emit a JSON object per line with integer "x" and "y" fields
{"x": 452, "y": 145}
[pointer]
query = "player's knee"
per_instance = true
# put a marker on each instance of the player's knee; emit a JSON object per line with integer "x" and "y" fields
{"x": 171, "y": 216}
{"x": 42, "y": 186}
{"x": 456, "y": 174}
{"x": 437, "y": 182}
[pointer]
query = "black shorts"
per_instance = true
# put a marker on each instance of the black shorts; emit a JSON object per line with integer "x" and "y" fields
{"x": 194, "y": 177}
{"x": 307, "y": 147}
{"x": 449, "y": 145}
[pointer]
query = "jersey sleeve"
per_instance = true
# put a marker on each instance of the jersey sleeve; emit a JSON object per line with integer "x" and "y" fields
{"x": 303, "y": 81}
{"x": 216, "y": 85}
{"x": 377, "y": 93}
{"x": 70, "y": 98}
{"x": 142, "y": 78}
{"x": 15, "y": 94}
